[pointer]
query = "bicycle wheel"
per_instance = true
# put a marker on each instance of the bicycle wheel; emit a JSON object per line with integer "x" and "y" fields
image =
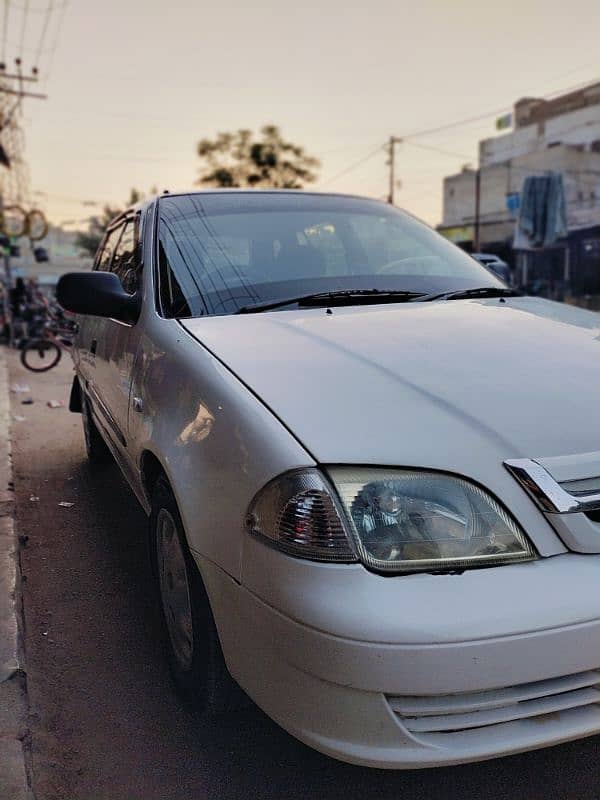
{"x": 40, "y": 355}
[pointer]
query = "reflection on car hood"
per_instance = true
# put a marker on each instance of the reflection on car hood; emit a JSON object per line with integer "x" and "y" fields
{"x": 442, "y": 384}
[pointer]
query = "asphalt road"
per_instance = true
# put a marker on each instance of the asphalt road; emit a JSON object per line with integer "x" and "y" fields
{"x": 106, "y": 724}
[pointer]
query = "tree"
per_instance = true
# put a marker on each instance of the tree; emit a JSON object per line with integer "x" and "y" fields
{"x": 244, "y": 159}
{"x": 89, "y": 241}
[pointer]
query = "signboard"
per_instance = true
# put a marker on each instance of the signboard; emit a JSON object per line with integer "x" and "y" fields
{"x": 458, "y": 233}
{"x": 513, "y": 202}
{"x": 504, "y": 122}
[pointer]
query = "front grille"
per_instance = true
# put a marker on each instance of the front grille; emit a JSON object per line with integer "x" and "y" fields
{"x": 452, "y": 713}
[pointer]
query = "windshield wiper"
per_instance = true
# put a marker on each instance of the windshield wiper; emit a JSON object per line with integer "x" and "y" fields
{"x": 461, "y": 294}
{"x": 343, "y": 297}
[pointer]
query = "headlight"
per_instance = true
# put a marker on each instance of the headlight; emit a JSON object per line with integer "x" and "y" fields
{"x": 405, "y": 521}
{"x": 299, "y": 514}
{"x": 393, "y": 520}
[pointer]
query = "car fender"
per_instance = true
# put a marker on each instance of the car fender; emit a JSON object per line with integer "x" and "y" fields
{"x": 217, "y": 443}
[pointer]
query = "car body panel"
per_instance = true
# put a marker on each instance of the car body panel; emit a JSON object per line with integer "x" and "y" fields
{"x": 335, "y": 693}
{"x": 459, "y": 386}
{"x": 217, "y": 445}
{"x": 501, "y": 373}
{"x": 348, "y": 601}
{"x": 225, "y": 404}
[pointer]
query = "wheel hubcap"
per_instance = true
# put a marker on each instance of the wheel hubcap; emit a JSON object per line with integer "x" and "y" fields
{"x": 174, "y": 589}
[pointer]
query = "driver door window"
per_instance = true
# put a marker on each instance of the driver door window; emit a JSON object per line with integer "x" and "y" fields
{"x": 105, "y": 255}
{"x": 124, "y": 261}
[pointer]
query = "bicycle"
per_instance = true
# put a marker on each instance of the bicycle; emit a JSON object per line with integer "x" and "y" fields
{"x": 43, "y": 353}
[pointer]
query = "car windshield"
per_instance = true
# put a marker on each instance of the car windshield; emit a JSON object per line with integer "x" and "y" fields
{"x": 223, "y": 251}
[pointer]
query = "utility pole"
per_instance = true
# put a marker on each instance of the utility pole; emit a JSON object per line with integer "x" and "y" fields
{"x": 394, "y": 140}
{"x": 14, "y": 182}
{"x": 392, "y": 154}
{"x": 476, "y": 236}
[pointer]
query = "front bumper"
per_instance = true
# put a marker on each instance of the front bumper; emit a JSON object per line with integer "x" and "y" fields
{"x": 406, "y": 704}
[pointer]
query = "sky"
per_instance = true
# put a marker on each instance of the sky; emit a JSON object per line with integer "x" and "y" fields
{"x": 133, "y": 85}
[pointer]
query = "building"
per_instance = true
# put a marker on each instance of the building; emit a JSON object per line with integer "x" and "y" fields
{"x": 561, "y": 135}
{"x": 63, "y": 256}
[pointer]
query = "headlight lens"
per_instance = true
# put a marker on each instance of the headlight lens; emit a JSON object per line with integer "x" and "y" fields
{"x": 406, "y": 521}
{"x": 299, "y": 514}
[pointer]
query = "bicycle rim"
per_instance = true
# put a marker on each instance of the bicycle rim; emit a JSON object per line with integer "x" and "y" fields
{"x": 40, "y": 356}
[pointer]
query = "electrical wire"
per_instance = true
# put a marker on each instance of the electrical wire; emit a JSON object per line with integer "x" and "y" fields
{"x": 447, "y": 126}
{"x": 356, "y": 164}
{"x": 35, "y": 9}
{"x": 504, "y": 109}
{"x": 26, "y": 48}
{"x": 436, "y": 149}
{"x": 24, "y": 15}
{"x": 54, "y": 46}
{"x": 5, "y": 29}
{"x": 40, "y": 46}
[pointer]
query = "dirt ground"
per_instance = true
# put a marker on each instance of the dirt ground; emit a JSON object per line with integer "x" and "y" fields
{"x": 106, "y": 724}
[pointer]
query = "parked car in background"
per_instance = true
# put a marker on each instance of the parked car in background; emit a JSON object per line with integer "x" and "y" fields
{"x": 371, "y": 472}
{"x": 495, "y": 263}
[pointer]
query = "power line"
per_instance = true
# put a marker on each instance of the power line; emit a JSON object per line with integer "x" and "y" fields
{"x": 456, "y": 124}
{"x": 25, "y": 14}
{"x": 435, "y": 149}
{"x": 36, "y": 9}
{"x": 27, "y": 48}
{"x": 54, "y": 46}
{"x": 447, "y": 126}
{"x": 5, "y": 29}
{"x": 49, "y": 10}
{"x": 356, "y": 164}
{"x": 468, "y": 120}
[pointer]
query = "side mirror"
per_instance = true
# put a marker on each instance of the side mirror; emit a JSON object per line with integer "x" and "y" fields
{"x": 99, "y": 294}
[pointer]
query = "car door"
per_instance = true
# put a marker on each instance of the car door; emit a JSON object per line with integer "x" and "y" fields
{"x": 89, "y": 344}
{"x": 121, "y": 340}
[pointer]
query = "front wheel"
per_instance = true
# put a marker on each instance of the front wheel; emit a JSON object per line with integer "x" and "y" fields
{"x": 193, "y": 648}
{"x": 40, "y": 355}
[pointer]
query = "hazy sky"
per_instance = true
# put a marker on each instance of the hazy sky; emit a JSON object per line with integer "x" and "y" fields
{"x": 133, "y": 85}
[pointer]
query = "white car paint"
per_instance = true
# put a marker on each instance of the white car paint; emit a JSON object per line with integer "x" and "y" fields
{"x": 228, "y": 403}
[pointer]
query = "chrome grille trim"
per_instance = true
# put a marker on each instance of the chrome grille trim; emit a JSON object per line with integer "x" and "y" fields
{"x": 547, "y": 493}
{"x": 463, "y": 712}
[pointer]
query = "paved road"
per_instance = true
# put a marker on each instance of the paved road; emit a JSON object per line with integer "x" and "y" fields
{"x": 105, "y": 722}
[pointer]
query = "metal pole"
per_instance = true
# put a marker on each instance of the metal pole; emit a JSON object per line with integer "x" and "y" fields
{"x": 477, "y": 210}
{"x": 7, "y": 281}
{"x": 392, "y": 170}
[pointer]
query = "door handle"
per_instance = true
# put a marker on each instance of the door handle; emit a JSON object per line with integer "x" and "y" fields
{"x": 93, "y": 346}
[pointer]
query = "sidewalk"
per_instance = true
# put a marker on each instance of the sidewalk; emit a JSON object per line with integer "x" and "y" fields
{"x": 13, "y": 700}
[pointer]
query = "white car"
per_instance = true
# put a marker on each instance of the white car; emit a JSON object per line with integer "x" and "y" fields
{"x": 495, "y": 263}
{"x": 371, "y": 469}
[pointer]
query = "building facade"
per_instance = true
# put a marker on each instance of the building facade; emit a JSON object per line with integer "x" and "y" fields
{"x": 560, "y": 135}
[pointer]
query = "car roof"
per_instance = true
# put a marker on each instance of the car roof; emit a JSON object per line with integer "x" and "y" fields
{"x": 142, "y": 205}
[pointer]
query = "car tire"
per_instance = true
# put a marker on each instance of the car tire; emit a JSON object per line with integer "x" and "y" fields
{"x": 96, "y": 448}
{"x": 191, "y": 640}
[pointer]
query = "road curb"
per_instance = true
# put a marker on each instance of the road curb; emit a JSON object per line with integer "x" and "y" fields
{"x": 14, "y": 734}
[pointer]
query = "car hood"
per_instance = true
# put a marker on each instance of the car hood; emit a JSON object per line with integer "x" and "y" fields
{"x": 451, "y": 385}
